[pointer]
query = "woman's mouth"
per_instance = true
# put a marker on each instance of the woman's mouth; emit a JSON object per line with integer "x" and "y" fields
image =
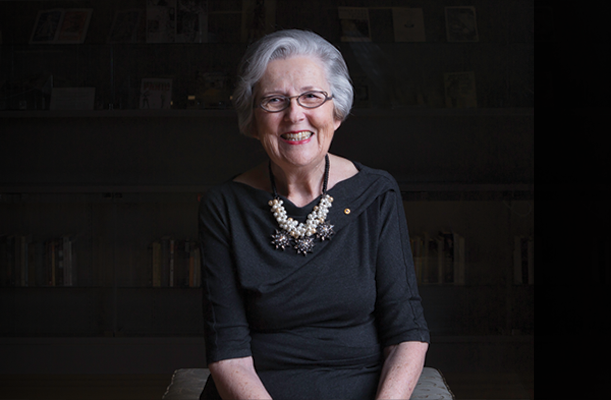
{"x": 297, "y": 137}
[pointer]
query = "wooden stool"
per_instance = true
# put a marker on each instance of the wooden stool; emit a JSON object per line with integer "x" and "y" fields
{"x": 188, "y": 383}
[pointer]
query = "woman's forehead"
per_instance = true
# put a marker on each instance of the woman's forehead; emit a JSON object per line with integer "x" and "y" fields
{"x": 300, "y": 73}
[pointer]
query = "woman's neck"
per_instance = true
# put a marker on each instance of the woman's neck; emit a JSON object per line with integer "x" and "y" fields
{"x": 300, "y": 185}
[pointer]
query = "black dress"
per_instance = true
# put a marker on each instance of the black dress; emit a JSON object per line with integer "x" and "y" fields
{"x": 315, "y": 325}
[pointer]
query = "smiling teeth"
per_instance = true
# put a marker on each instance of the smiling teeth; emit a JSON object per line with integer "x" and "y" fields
{"x": 297, "y": 136}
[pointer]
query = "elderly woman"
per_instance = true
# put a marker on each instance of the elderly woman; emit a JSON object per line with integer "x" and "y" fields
{"x": 309, "y": 284}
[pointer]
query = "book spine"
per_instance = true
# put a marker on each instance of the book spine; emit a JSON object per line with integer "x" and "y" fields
{"x": 156, "y": 259}
{"x": 67, "y": 252}
{"x": 459, "y": 259}
{"x": 197, "y": 277}
{"x": 171, "y": 277}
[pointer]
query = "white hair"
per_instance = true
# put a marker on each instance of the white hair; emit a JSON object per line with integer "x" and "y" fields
{"x": 283, "y": 45}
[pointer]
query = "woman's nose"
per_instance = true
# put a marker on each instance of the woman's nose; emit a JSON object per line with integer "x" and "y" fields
{"x": 294, "y": 111}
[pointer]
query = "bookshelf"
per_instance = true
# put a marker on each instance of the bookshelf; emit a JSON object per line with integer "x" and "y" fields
{"x": 150, "y": 182}
{"x": 117, "y": 178}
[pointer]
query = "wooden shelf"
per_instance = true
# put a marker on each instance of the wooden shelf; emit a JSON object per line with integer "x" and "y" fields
{"x": 110, "y": 191}
{"x": 405, "y": 112}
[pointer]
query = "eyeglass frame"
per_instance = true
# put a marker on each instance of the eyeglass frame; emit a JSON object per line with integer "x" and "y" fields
{"x": 289, "y": 98}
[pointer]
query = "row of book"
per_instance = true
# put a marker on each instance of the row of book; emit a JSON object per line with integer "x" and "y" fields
{"x": 175, "y": 263}
{"x": 439, "y": 259}
{"x": 24, "y": 262}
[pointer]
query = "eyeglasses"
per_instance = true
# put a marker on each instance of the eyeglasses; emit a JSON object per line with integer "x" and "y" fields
{"x": 277, "y": 103}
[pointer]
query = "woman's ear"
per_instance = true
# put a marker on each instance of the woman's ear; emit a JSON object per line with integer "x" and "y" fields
{"x": 337, "y": 123}
{"x": 253, "y": 132}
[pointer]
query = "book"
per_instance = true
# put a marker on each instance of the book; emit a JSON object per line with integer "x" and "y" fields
{"x": 171, "y": 262}
{"x": 452, "y": 258}
{"x": 461, "y": 24}
{"x": 354, "y": 24}
{"x": 408, "y": 24}
{"x": 181, "y": 263}
{"x": 175, "y": 263}
{"x": 176, "y": 21}
{"x": 460, "y": 90}
{"x": 155, "y": 94}
{"x": 523, "y": 260}
{"x": 459, "y": 259}
{"x": 191, "y": 22}
{"x": 46, "y": 26}
{"x": 430, "y": 259}
{"x": 439, "y": 259}
{"x": 446, "y": 258}
{"x": 50, "y": 262}
{"x": 195, "y": 266}
{"x": 74, "y": 25}
{"x": 165, "y": 261}
{"x": 68, "y": 261}
{"x": 258, "y": 18}
{"x": 21, "y": 260}
{"x": 36, "y": 263}
{"x": 124, "y": 26}
{"x": 160, "y": 21}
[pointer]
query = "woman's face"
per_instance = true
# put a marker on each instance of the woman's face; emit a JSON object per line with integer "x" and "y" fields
{"x": 296, "y": 137}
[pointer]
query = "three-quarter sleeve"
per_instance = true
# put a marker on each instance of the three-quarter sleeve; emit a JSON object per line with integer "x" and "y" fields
{"x": 225, "y": 324}
{"x": 399, "y": 312}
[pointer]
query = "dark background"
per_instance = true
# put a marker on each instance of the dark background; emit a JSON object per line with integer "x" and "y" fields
{"x": 126, "y": 176}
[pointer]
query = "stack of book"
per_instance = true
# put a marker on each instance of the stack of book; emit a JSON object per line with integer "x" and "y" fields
{"x": 439, "y": 259}
{"x": 24, "y": 262}
{"x": 175, "y": 263}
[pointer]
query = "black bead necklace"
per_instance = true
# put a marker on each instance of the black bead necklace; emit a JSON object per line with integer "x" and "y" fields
{"x": 301, "y": 235}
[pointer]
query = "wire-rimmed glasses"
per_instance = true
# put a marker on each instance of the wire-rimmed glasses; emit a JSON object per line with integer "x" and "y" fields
{"x": 311, "y": 99}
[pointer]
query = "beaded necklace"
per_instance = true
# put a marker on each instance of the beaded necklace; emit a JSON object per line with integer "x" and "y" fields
{"x": 301, "y": 235}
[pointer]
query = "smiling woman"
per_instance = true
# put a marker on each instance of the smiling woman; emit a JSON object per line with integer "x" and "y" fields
{"x": 296, "y": 138}
{"x": 303, "y": 300}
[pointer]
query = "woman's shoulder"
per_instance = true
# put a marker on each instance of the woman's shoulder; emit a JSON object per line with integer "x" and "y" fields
{"x": 341, "y": 169}
{"x": 379, "y": 176}
{"x": 244, "y": 188}
{"x": 255, "y": 178}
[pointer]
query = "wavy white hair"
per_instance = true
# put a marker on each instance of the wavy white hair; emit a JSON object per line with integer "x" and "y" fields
{"x": 283, "y": 45}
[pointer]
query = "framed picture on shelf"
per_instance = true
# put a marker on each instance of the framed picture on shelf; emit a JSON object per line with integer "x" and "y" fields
{"x": 155, "y": 94}
{"x": 46, "y": 27}
{"x": 461, "y": 24}
{"x": 74, "y": 25}
{"x": 355, "y": 24}
{"x": 191, "y": 22}
{"x": 124, "y": 26}
{"x": 460, "y": 90}
{"x": 408, "y": 24}
{"x": 160, "y": 21}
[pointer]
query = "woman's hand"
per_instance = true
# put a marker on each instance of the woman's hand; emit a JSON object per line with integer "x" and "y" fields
{"x": 402, "y": 368}
{"x": 236, "y": 378}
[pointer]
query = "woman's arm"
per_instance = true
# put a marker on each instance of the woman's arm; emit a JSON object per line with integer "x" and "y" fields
{"x": 236, "y": 378}
{"x": 402, "y": 368}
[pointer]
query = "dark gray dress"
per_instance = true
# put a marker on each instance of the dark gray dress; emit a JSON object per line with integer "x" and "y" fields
{"x": 315, "y": 325}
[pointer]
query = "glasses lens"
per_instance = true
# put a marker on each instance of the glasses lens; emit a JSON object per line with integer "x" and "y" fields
{"x": 307, "y": 100}
{"x": 312, "y": 99}
{"x": 275, "y": 103}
